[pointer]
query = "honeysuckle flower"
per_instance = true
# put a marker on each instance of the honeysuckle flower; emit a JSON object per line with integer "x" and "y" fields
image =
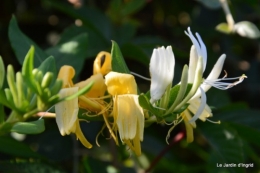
{"x": 199, "y": 50}
{"x": 67, "y": 116}
{"x": 128, "y": 115}
{"x": 162, "y": 71}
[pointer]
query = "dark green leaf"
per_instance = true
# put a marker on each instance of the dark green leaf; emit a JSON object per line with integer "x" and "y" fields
{"x": 33, "y": 127}
{"x": 118, "y": 62}
{"x": 22, "y": 166}
{"x": 135, "y": 52}
{"x": 21, "y": 44}
{"x": 132, "y": 7}
{"x": 145, "y": 104}
{"x": 72, "y": 52}
{"x": 226, "y": 142}
{"x": 48, "y": 65}
{"x": 16, "y": 148}
{"x": 2, "y": 114}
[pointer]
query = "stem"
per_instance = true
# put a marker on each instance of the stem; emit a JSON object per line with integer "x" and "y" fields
{"x": 176, "y": 139}
{"x": 228, "y": 14}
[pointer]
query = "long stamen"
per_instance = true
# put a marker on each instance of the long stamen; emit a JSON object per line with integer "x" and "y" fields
{"x": 138, "y": 75}
{"x": 224, "y": 85}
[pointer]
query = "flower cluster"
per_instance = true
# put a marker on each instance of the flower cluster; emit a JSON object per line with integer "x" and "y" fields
{"x": 115, "y": 96}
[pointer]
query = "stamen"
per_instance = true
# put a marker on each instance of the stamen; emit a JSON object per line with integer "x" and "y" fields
{"x": 138, "y": 75}
{"x": 224, "y": 85}
{"x": 214, "y": 122}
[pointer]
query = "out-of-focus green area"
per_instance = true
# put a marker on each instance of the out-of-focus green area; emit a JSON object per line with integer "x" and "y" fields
{"x": 74, "y": 32}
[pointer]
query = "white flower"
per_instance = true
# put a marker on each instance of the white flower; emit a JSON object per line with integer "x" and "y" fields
{"x": 162, "y": 71}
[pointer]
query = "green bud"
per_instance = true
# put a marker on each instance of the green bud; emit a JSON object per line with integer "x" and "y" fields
{"x": 11, "y": 83}
{"x": 56, "y": 87}
{"x": 47, "y": 79}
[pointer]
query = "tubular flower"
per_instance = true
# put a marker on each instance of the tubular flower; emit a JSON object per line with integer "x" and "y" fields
{"x": 128, "y": 115}
{"x": 67, "y": 111}
{"x": 199, "y": 50}
{"x": 197, "y": 104}
{"x": 67, "y": 116}
{"x": 162, "y": 71}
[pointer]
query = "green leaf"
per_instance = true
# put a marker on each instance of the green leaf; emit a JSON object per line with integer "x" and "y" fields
{"x": 223, "y": 27}
{"x": 247, "y": 29}
{"x": 118, "y": 62}
{"x": 21, "y": 44}
{"x": 27, "y": 166}
{"x": 174, "y": 92}
{"x": 5, "y": 102}
{"x": 48, "y": 65}
{"x": 135, "y": 52}
{"x": 33, "y": 127}
{"x": 145, "y": 104}
{"x": 132, "y": 6}
{"x": 249, "y": 134}
{"x": 72, "y": 52}
{"x": 2, "y": 114}
{"x": 16, "y": 148}
{"x": 2, "y": 72}
{"x": 226, "y": 142}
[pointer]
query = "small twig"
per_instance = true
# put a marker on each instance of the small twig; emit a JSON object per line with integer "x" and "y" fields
{"x": 176, "y": 139}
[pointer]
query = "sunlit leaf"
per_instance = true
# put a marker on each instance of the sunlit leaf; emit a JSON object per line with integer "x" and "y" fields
{"x": 72, "y": 52}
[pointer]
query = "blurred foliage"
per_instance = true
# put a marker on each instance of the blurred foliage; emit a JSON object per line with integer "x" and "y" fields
{"x": 73, "y": 33}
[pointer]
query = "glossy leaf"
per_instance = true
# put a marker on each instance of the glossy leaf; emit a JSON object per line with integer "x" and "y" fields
{"x": 226, "y": 142}
{"x": 72, "y": 52}
{"x": 16, "y": 148}
{"x": 21, "y": 44}
{"x": 118, "y": 62}
{"x": 33, "y": 127}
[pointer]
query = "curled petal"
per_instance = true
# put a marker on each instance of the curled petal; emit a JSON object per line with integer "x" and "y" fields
{"x": 102, "y": 63}
{"x": 162, "y": 71}
{"x": 66, "y": 74}
{"x": 199, "y": 46}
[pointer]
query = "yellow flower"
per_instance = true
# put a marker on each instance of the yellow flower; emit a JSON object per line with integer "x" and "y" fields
{"x": 128, "y": 114}
{"x": 67, "y": 116}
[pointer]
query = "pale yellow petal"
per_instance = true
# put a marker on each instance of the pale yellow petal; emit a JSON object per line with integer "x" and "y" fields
{"x": 81, "y": 136}
{"x": 189, "y": 130}
{"x": 120, "y": 83}
{"x": 102, "y": 63}
{"x": 194, "y": 106}
{"x": 130, "y": 117}
{"x": 66, "y": 74}
{"x": 97, "y": 90}
{"x": 67, "y": 111}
